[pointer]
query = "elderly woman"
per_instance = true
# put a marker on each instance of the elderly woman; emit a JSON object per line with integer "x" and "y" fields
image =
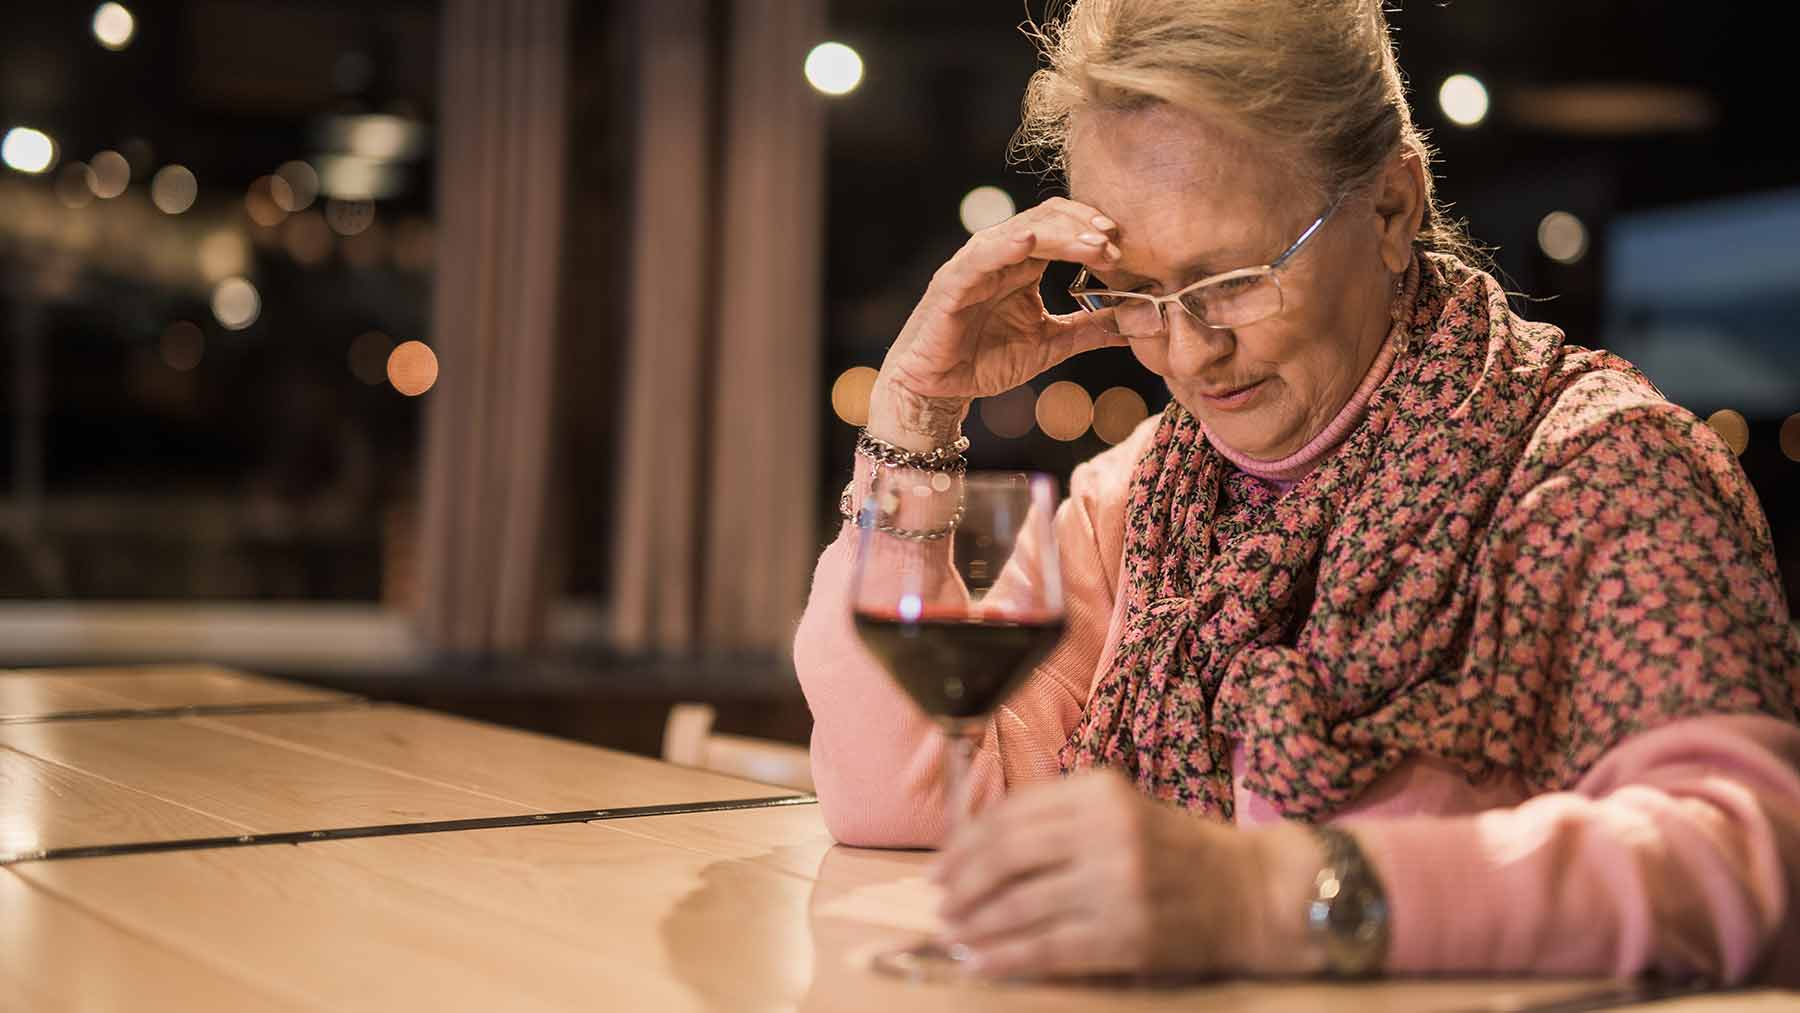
{"x": 1410, "y": 637}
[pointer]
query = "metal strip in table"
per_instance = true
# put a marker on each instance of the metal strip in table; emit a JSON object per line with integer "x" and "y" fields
{"x": 189, "y": 711}
{"x": 400, "y": 829}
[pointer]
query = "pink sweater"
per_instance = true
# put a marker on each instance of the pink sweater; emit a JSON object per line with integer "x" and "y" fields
{"x": 1680, "y": 851}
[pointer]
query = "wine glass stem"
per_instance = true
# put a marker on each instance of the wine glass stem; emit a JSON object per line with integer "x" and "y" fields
{"x": 963, "y": 739}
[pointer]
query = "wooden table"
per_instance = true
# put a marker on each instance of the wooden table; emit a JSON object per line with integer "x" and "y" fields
{"x": 196, "y": 839}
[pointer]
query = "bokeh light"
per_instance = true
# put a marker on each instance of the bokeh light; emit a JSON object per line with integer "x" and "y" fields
{"x": 26, "y": 150}
{"x": 75, "y": 185}
{"x": 1064, "y": 411}
{"x": 412, "y": 367}
{"x": 1009, "y": 415}
{"x": 1117, "y": 411}
{"x": 1464, "y": 99}
{"x": 114, "y": 26}
{"x": 368, "y": 357}
{"x": 182, "y": 345}
{"x": 173, "y": 189}
{"x": 236, "y": 304}
{"x": 984, "y": 207}
{"x": 266, "y": 199}
{"x": 368, "y": 248}
{"x": 349, "y": 217}
{"x": 307, "y": 239}
{"x": 834, "y": 68}
{"x": 302, "y": 186}
{"x": 1732, "y": 428}
{"x": 1790, "y": 438}
{"x": 222, "y": 254}
{"x": 1562, "y": 237}
{"x": 109, "y": 174}
{"x": 415, "y": 245}
{"x": 850, "y": 394}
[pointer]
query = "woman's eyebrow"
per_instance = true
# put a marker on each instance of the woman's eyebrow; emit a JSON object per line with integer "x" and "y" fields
{"x": 1189, "y": 272}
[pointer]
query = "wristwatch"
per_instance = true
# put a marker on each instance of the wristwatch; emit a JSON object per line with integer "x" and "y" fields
{"x": 1348, "y": 913}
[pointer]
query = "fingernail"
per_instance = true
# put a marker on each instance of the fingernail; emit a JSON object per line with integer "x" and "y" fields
{"x": 1092, "y": 238}
{"x": 1103, "y": 223}
{"x": 1111, "y": 251}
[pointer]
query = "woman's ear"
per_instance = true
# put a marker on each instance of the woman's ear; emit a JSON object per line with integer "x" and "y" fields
{"x": 1400, "y": 206}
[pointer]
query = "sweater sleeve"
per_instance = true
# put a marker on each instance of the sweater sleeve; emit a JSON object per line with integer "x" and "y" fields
{"x": 1679, "y": 852}
{"x": 877, "y": 759}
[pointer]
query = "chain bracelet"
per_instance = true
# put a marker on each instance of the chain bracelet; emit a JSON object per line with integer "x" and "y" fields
{"x": 847, "y": 509}
{"x": 947, "y": 458}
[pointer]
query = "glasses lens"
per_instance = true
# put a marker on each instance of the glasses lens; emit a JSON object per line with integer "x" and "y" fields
{"x": 1137, "y": 317}
{"x": 1234, "y": 302}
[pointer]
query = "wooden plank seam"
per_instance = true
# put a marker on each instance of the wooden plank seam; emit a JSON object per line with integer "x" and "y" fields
{"x": 401, "y": 829}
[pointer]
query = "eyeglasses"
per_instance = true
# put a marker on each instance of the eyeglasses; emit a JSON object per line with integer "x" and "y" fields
{"x": 1233, "y": 299}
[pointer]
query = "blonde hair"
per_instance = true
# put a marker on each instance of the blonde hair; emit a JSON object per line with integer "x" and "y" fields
{"x": 1316, "y": 78}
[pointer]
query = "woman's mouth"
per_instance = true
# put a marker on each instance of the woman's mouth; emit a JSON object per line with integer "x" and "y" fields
{"x": 1232, "y": 399}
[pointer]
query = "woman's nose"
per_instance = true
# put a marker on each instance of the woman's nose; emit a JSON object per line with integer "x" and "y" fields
{"x": 1195, "y": 349}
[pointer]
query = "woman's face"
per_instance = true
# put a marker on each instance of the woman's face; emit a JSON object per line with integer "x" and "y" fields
{"x": 1192, "y": 200}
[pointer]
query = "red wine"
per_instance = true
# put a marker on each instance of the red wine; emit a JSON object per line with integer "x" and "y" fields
{"x": 958, "y": 667}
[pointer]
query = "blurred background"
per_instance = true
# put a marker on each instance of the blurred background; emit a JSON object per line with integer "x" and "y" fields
{"x": 505, "y": 355}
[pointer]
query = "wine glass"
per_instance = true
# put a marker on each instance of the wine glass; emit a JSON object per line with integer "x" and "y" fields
{"x": 957, "y": 589}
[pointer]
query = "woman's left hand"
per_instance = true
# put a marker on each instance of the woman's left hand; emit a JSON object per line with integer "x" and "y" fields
{"x": 1087, "y": 876}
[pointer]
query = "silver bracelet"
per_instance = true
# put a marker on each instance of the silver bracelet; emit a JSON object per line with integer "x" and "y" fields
{"x": 848, "y": 510}
{"x": 947, "y": 458}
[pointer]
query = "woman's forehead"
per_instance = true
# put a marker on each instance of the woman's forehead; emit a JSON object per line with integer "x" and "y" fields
{"x": 1185, "y": 192}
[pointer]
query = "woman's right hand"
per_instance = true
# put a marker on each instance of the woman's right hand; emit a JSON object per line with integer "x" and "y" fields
{"x": 981, "y": 328}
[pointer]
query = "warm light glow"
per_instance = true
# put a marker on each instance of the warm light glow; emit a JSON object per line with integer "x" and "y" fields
{"x": 182, "y": 346}
{"x": 382, "y": 137}
{"x": 221, "y": 255}
{"x": 352, "y": 177}
{"x": 75, "y": 185}
{"x": 1009, "y": 415}
{"x": 1064, "y": 411}
{"x": 369, "y": 357}
{"x": 834, "y": 68}
{"x": 114, "y": 26}
{"x": 173, "y": 189}
{"x": 415, "y": 245}
{"x": 1562, "y": 237}
{"x": 302, "y": 186}
{"x": 349, "y": 217}
{"x": 1117, "y": 411}
{"x": 109, "y": 174}
{"x": 850, "y": 395}
{"x": 266, "y": 199}
{"x": 367, "y": 249}
{"x": 985, "y": 206}
{"x": 236, "y": 304}
{"x": 1790, "y": 438}
{"x": 1732, "y": 427}
{"x": 27, "y": 150}
{"x": 1464, "y": 99}
{"x": 307, "y": 239}
{"x": 412, "y": 368}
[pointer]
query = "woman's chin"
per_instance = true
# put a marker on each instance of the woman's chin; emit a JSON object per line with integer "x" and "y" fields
{"x": 1246, "y": 434}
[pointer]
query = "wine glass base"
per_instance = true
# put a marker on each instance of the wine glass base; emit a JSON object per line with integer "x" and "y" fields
{"x": 926, "y": 961}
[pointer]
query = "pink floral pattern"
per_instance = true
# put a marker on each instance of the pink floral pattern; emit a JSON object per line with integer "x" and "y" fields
{"x": 1520, "y": 557}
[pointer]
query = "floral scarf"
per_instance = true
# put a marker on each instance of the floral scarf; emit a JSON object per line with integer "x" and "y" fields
{"x": 1521, "y": 556}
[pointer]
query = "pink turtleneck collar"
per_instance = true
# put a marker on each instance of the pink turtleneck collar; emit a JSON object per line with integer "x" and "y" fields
{"x": 1287, "y": 472}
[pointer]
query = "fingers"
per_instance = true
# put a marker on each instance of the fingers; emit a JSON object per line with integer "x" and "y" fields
{"x": 1026, "y": 905}
{"x": 1033, "y": 833}
{"x": 1058, "y": 229}
{"x": 1058, "y": 948}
